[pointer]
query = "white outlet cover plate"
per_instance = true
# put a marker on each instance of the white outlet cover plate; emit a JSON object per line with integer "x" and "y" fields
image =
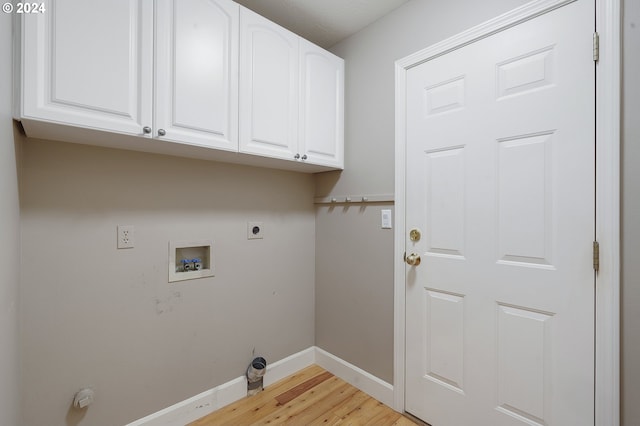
{"x": 126, "y": 236}
{"x": 251, "y": 232}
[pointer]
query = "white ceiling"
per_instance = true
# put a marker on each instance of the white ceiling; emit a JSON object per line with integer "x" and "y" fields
{"x": 323, "y": 22}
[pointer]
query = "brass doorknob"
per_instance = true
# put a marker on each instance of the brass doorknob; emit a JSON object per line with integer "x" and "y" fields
{"x": 413, "y": 259}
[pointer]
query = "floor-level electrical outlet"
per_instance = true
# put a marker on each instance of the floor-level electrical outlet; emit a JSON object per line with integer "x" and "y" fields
{"x": 255, "y": 230}
{"x": 126, "y": 236}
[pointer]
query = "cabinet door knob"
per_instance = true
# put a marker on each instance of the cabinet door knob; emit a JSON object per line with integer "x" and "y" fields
{"x": 297, "y": 156}
{"x": 146, "y": 129}
{"x": 304, "y": 157}
{"x": 161, "y": 132}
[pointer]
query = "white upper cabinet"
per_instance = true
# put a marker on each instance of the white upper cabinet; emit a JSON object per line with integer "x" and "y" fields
{"x": 268, "y": 87}
{"x": 291, "y": 95}
{"x": 195, "y": 78}
{"x": 89, "y": 64}
{"x": 197, "y": 72}
{"x": 321, "y": 123}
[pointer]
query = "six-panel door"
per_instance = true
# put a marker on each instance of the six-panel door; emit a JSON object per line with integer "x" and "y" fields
{"x": 500, "y": 180}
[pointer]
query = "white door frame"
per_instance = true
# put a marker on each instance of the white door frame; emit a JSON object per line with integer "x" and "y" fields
{"x": 607, "y": 326}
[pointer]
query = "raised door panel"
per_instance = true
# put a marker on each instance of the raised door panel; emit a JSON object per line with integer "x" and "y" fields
{"x": 268, "y": 87}
{"x": 321, "y": 126}
{"x": 89, "y": 64}
{"x": 196, "y": 72}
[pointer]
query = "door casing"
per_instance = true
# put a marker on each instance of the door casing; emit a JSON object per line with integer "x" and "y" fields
{"x": 607, "y": 327}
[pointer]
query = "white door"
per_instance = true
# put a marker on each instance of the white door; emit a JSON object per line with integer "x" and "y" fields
{"x": 89, "y": 64}
{"x": 197, "y": 73}
{"x": 321, "y": 106}
{"x": 500, "y": 182}
{"x": 268, "y": 87}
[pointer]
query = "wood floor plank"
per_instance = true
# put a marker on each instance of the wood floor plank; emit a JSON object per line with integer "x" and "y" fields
{"x": 313, "y": 397}
{"x": 301, "y": 403}
{"x": 362, "y": 413}
{"x": 270, "y": 411}
{"x": 329, "y": 420}
{"x": 385, "y": 416}
{"x": 296, "y": 391}
{"x": 358, "y": 399}
{"x": 320, "y": 407}
{"x": 338, "y": 413}
{"x": 258, "y": 403}
{"x": 404, "y": 421}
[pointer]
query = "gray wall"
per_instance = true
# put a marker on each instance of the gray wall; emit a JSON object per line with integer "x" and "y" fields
{"x": 354, "y": 286}
{"x": 96, "y": 316}
{"x": 369, "y": 55}
{"x": 9, "y": 241}
{"x": 630, "y": 294}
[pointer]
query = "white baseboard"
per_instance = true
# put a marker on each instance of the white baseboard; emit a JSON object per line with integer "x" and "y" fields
{"x": 213, "y": 399}
{"x": 289, "y": 365}
{"x": 197, "y": 406}
{"x": 366, "y": 382}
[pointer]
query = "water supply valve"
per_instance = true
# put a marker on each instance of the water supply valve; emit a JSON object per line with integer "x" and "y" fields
{"x": 187, "y": 265}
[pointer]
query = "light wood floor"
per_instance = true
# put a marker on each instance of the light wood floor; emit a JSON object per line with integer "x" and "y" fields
{"x": 312, "y": 396}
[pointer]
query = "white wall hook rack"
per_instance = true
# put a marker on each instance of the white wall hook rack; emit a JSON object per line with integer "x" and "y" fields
{"x": 346, "y": 199}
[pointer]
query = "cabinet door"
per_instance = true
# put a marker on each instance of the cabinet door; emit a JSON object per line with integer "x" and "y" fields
{"x": 321, "y": 106}
{"x": 88, "y": 64}
{"x": 268, "y": 87}
{"x": 196, "y": 72}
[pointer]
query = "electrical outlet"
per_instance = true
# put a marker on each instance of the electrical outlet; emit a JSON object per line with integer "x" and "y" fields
{"x": 255, "y": 230}
{"x": 126, "y": 236}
